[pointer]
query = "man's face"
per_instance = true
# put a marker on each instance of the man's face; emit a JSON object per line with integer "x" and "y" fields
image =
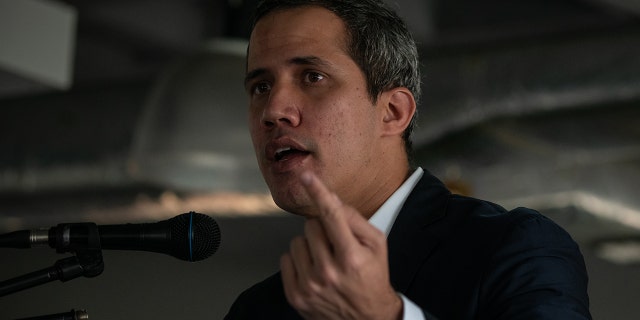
{"x": 310, "y": 108}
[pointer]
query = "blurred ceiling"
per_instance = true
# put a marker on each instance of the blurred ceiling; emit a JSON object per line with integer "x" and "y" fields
{"x": 121, "y": 40}
{"x": 532, "y": 102}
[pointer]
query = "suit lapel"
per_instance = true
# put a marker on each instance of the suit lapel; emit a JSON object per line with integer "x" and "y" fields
{"x": 411, "y": 241}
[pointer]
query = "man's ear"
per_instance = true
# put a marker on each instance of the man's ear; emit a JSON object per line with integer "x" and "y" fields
{"x": 399, "y": 106}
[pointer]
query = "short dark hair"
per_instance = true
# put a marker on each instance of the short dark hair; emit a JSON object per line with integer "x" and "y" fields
{"x": 377, "y": 40}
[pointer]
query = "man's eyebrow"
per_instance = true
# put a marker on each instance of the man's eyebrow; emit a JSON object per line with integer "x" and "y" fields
{"x": 306, "y": 60}
{"x": 309, "y": 60}
{"x": 253, "y": 74}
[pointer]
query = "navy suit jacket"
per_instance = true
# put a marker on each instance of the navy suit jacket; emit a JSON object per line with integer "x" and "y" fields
{"x": 463, "y": 258}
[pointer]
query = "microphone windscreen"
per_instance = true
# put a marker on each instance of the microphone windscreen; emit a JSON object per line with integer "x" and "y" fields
{"x": 195, "y": 236}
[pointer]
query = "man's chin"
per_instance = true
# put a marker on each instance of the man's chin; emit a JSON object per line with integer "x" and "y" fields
{"x": 298, "y": 207}
{"x": 290, "y": 195}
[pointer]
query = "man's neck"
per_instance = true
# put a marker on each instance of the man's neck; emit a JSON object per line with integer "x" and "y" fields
{"x": 383, "y": 187}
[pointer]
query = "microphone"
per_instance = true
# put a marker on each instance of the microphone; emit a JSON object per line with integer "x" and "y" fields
{"x": 189, "y": 236}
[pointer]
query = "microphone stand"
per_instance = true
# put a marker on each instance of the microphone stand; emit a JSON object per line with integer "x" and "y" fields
{"x": 87, "y": 262}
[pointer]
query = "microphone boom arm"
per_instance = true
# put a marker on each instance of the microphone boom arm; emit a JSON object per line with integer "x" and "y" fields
{"x": 87, "y": 262}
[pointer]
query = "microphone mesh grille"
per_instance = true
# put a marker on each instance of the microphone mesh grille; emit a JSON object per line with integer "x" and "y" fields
{"x": 206, "y": 236}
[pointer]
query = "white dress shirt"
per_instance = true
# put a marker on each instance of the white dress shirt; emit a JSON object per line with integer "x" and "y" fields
{"x": 384, "y": 218}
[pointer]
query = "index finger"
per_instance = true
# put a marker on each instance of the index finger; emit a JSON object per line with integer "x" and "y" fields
{"x": 332, "y": 213}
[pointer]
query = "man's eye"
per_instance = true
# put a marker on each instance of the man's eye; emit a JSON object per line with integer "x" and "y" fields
{"x": 261, "y": 88}
{"x": 313, "y": 77}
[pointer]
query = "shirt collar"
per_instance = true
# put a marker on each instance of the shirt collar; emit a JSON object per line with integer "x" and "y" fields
{"x": 386, "y": 215}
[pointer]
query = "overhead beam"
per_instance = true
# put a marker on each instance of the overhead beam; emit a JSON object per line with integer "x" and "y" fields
{"x": 471, "y": 86}
{"x": 632, "y": 6}
{"x": 37, "y": 42}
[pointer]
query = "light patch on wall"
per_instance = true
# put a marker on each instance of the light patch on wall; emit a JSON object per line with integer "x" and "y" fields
{"x": 170, "y": 204}
{"x": 625, "y": 252}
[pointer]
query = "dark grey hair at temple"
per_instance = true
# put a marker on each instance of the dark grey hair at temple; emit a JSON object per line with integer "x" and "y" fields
{"x": 378, "y": 41}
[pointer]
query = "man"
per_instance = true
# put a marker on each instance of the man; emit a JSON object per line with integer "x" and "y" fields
{"x": 332, "y": 90}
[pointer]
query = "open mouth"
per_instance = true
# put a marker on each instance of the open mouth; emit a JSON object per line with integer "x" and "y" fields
{"x": 287, "y": 153}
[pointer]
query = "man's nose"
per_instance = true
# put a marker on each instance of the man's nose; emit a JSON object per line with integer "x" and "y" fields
{"x": 283, "y": 108}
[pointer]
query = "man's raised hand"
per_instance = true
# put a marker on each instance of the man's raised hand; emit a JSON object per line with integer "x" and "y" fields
{"x": 338, "y": 269}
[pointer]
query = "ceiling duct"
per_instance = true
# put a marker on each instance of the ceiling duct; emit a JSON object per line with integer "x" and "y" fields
{"x": 193, "y": 132}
